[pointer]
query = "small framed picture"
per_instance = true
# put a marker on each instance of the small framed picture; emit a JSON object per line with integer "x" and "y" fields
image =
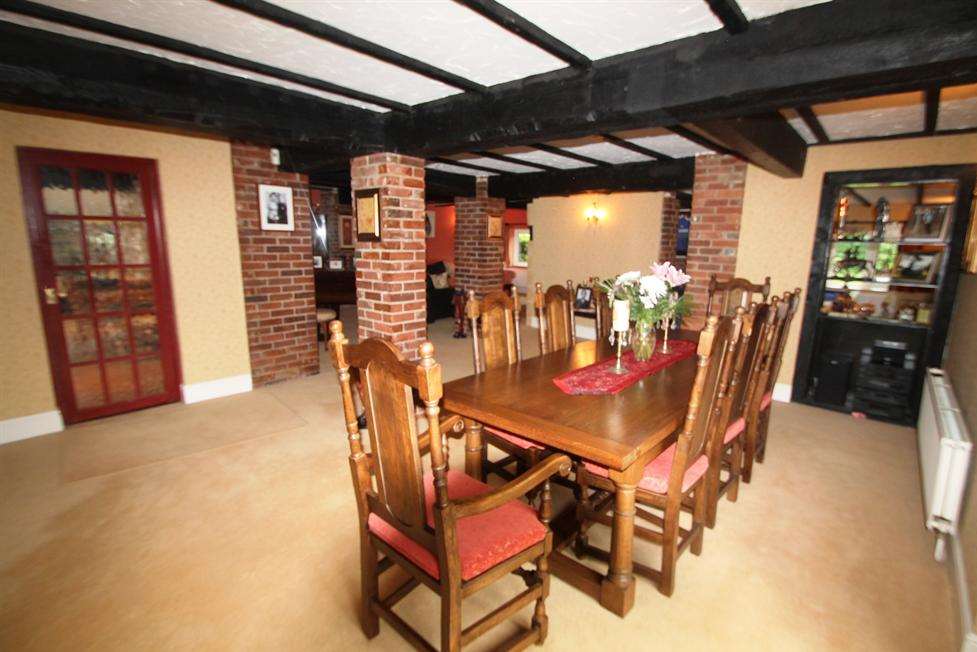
{"x": 430, "y": 224}
{"x": 495, "y": 226}
{"x": 584, "y": 298}
{"x": 928, "y": 222}
{"x": 366, "y": 207}
{"x": 317, "y": 262}
{"x": 347, "y": 237}
{"x": 336, "y": 264}
{"x": 275, "y": 206}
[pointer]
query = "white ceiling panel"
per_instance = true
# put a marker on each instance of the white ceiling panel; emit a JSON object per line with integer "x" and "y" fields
{"x": 501, "y": 166}
{"x": 664, "y": 142}
{"x": 958, "y": 108}
{"x": 444, "y": 167}
{"x": 883, "y": 115}
{"x": 754, "y": 9}
{"x": 799, "y": 126}
{"x": 543, "y": 158}
{"x": 217, "y": 27}
{"x": 602, "y": 28}
{"x": 179, "y": 58}
{"x": 596, "y": 147}
{"x": 439, "y": 32}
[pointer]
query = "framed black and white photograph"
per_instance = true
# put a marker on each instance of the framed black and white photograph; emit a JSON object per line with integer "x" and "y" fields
{"x": 275, "y": 207}
{"x": 430, "y": 224}
{"x": 584, "y": 298}
{"x": 928, "y": 222}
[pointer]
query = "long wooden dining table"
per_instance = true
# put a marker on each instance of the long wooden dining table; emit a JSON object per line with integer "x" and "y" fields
{"x": 622, "y": 432}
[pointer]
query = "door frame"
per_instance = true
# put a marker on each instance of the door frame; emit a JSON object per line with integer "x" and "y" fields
{"x": 44, "y": 271}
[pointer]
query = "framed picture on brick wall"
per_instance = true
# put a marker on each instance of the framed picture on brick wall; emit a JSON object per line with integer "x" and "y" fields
{"x": 366, "y": 208}
{"x": 494, "y": 226}
{"x": 275, "y": 207}
{"x": 347, "y": 232}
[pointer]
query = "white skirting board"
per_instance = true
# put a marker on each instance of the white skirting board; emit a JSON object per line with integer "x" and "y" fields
{"x": 958, "y": 571}
{"x": 216, "y": 388}
{"x": 33, "y": 425}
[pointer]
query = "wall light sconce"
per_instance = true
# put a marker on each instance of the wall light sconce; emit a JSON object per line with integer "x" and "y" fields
{"x": 594, "y": 214}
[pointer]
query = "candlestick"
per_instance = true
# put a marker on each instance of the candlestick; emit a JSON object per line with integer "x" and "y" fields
{"x": 665, "y": 348}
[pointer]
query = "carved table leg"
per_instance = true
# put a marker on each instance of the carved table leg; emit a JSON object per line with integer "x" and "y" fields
{"x": 617, "y": 588}
{"x": 474, "y": 450}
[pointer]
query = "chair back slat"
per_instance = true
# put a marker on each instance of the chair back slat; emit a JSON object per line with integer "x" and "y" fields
{"x": 726, "y": 296}
{"x": 494, "y": 325}
{"x": 555, "y": 313}
{"x": 788, "y": 306}
{"x": 602, "y": 308}
{"x": 748, "y": 360}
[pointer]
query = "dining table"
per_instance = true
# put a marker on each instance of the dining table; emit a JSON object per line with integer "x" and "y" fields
{"x": 622, "y": 431}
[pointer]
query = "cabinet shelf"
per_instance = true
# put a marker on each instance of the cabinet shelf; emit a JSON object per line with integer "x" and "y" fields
{"x": 877, "y": 321}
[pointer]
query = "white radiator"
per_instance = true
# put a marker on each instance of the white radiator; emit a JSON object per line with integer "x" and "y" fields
{"x": 944, "y": 455}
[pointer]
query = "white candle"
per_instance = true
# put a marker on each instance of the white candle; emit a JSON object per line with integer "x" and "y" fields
{"x": 622, "y": 315}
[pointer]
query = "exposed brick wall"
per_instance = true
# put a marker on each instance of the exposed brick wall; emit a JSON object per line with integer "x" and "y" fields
{"x": 717, "y": 205}
{"x": 670, "y": 208}
{"x": 478, "y": 258}
{"x": 390, "y": 292}
{"x": 276, "y": 266}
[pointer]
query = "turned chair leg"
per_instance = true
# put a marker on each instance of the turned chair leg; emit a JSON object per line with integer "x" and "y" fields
{"x": 583, "y": 506}
{"x": 698, "y": 520}
{"x": 370, "y": 587}
{"x": 540, "y": 620}
{"x": 669, "y": 551}
{"x": 735, "y": 470}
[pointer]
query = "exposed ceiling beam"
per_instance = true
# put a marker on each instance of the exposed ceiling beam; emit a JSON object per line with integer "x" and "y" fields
{"x": 766, "y": 140}
{"x": 559, "y": 151}
{"x": 465, "y": 164}
{"x": 634, "y": 147}
{"x": 513, "y": 160}
{"x": 312, "y": 27}
{"x": 676, "y": 174}
{"x": 730, "y": 15}
{"x": 510, "y": 20}
{"x": 25, "y": 8}
{"x": 825, "y": 52}
{"x": 807, "y": 114}
{"x": 932, "y": 109}
{"x": 700, "y": 139}
{"x": 438, "y": 186}
{"x": 53, "y": 71}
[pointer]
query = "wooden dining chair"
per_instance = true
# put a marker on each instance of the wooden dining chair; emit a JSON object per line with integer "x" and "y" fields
{"x": 726, "y": 296}
{"x": 448, "y": 531}
{"x": 602, "y": 308}
{"x": 554, "y": 310}
{"x": 494, "y": 323}
{"x": 758, "y": 419}
{"x": 677, "y": 474}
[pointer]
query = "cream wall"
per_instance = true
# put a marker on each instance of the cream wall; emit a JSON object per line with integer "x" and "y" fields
{"x": 565, "y": 246}
{"x": 201, "y": 237}
{"x": 779, "y": 215}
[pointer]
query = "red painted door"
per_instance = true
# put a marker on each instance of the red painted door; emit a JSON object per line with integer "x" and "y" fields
{"x": 100, "y": 261}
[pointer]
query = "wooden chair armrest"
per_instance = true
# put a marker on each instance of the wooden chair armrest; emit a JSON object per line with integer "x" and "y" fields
{"x": 521, "y": 486}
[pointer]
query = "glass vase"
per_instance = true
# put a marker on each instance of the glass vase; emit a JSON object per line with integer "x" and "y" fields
{"x": 644, "y": 340}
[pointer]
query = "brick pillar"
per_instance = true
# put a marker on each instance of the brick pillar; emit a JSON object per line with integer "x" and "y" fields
{"x": 670, "y": 208}
{"x": 390, "y": 292}
{"x": 276, "y": 266}
{"x": 717, "y": 205}
{"x": 478, "y": 258}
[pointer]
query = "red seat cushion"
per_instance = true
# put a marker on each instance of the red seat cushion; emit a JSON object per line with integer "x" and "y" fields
{"x": 766, "y": 400}
{"x": 484, "y": 540}
{"x": 511, "y": 438}
{"x": 734, "y": 429}
{"x": 655, "y": 476}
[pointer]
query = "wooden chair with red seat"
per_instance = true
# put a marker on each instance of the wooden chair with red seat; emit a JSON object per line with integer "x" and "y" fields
{"x": 678, "y": 474}
{"x": 448, "y": 531}
{"x": 554, "y": 309}
{"x": 494, "y": 322}
{"x": 726, "y": 296}
{"x": 758, "y": 420}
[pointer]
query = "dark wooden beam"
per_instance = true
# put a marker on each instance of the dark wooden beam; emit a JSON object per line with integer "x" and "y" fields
{"x": 700, "y": 139}
{"x": 627, "y": 144}
{"x": 53, "y": 71}
{"x": 807, "y": 114}
{"x": 510, "y": 20}
{"x": 676, "y": 174}
{"x": 312, "y": 27}
{"x": 513, "y": 160}
{"x": 439, "y": 187}
{"x": 766, "y": 140}
{"x": 25, "y": 8}
{"x": 465, "y": 164}
{"x": 932, "y": 109}
{"x": 559, "y": 151}
{"x": 825, "y": 52}
{"x": 730, "y": 15}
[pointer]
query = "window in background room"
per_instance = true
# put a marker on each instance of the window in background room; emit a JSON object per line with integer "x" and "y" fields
{"x": 519, "y": 238}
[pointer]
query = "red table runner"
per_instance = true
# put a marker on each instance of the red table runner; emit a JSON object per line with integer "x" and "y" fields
{"x": 598, "y": 378}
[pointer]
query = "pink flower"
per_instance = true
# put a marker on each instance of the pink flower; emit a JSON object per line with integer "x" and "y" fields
{"x": 670, "y": 274}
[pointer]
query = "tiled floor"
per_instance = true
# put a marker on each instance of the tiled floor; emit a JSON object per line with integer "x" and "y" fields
{"x": 230, "y": 524}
